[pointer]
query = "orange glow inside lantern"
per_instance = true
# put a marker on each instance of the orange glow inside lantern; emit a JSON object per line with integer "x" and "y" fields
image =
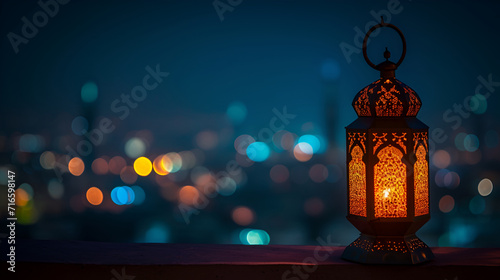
{"x": 388, "y": 170}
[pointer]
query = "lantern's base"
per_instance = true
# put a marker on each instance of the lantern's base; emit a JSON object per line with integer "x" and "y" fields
{"x": 407, "y": 249}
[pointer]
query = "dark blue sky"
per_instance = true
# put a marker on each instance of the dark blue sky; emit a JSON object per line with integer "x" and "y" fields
{"x": 265, "y": 54}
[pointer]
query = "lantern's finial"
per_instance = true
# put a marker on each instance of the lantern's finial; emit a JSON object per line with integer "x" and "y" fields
{"x": 387, "y": 54}
{"x": 387, "y": 68}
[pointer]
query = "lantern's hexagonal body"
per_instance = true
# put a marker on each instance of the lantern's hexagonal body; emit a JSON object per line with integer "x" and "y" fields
{"x": 388, "y": 175}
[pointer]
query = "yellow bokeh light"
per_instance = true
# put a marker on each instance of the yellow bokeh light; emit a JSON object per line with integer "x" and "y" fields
{"x": 76, "y": 166}
{"x": 143, "y": 166}
{"x": 22, "y": 197}
{"x": 94, "y": 196}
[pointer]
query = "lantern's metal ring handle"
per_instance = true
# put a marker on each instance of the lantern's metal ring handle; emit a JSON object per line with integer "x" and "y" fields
{"x": 383, "y": 24}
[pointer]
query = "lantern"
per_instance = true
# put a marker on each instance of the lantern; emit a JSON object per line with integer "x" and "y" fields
{"x": 388, "y": 169}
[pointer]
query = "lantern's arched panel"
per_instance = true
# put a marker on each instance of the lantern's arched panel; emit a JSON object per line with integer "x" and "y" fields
{"x": 421, "y": 183}
{"x": 357, "y": 183}
{"x": 390, "y": 184}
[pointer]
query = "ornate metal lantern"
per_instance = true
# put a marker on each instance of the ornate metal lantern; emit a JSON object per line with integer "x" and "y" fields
{"x": 388, "y": 169}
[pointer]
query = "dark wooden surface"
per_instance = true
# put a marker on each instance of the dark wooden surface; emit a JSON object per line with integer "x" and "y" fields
{"x": 94, "y": 260}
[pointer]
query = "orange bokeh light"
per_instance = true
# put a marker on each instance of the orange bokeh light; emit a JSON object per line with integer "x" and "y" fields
{"x": 243, "y": 216}
{"x": 302, "y": 152}
{"x": 76, "y": 166}
{"x": 159, "y": 167}
{"x": 189, "y": 195}
{"x": 22, "y": 197}
{"x": 94, "y": 196}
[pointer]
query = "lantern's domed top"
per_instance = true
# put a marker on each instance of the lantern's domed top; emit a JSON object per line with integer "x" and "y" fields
{"x": 387, "y": 97}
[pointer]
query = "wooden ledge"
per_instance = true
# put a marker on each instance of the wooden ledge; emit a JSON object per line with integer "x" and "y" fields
{"x": 96, "y": 260}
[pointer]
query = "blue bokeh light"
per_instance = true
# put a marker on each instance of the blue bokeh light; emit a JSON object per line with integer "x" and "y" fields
{"x": 311, "y": 140}
{"x": 122, "y": 195}
{"x": 80, "y": 125}
{"x": 237, "y": 112}
{"x": 89, "y": 92}
{"x": 254, "y": 237}
{"x": 258, "y": 151}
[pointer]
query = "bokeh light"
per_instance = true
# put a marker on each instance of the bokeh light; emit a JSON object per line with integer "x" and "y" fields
{"x": 243, "y": 216}
{"x": 279, "y": 173}
{"x": 157, "y": 233}
{"x": 135, "y": 147}
{"x": 89, "y": 92}
{"x": 226, "y": 186}
{"x": 258, "y": 151}
{"x": 122, "y": 195}
{"x": 128, "y": 175}
{"x": 241, "y": 143}
{"x": 446, "y": 204}
{"x": 94, "y": 196}
{"x": 254, "y": 237}
{"x": 172, "y": 162}
{"x": 477, "y": 205}
{"x": 143, "y": 166}
{"x": 485, "y": 187}
{"x": 116, "y": 164}
{"x": 100, "y": 166}
{"x": 79, "y": 125}
{"x": 76, "y": 166}
{"x": 441, "y": 159}
{"x": 318, "y": 173}
{"x": 31, "y": 143}
{"x": 188, "y": 195}
{"x": 55, "y": 189}
{"x": 312, "y": 140}
{"x": 159, "y": 167}
{"x": 288, "y": 141}
{"x": 47, "y": 160}
{"x": 236, "y": 112}
{"x": 478, "y": 104}
{"x": 451, "y": 180}
{"x": 303, "y": 152}
{"x": 471, "y": 143}
{"x": 22, "y": 197}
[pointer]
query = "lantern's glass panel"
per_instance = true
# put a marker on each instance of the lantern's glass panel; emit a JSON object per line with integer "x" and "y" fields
{"x": 390, "y": 184}
{"x": 357, "y": 183}
{"x": 421, "y": 170}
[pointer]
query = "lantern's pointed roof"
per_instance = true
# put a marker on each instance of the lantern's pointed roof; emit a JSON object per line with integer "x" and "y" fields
{"x": 387, "y": 97}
